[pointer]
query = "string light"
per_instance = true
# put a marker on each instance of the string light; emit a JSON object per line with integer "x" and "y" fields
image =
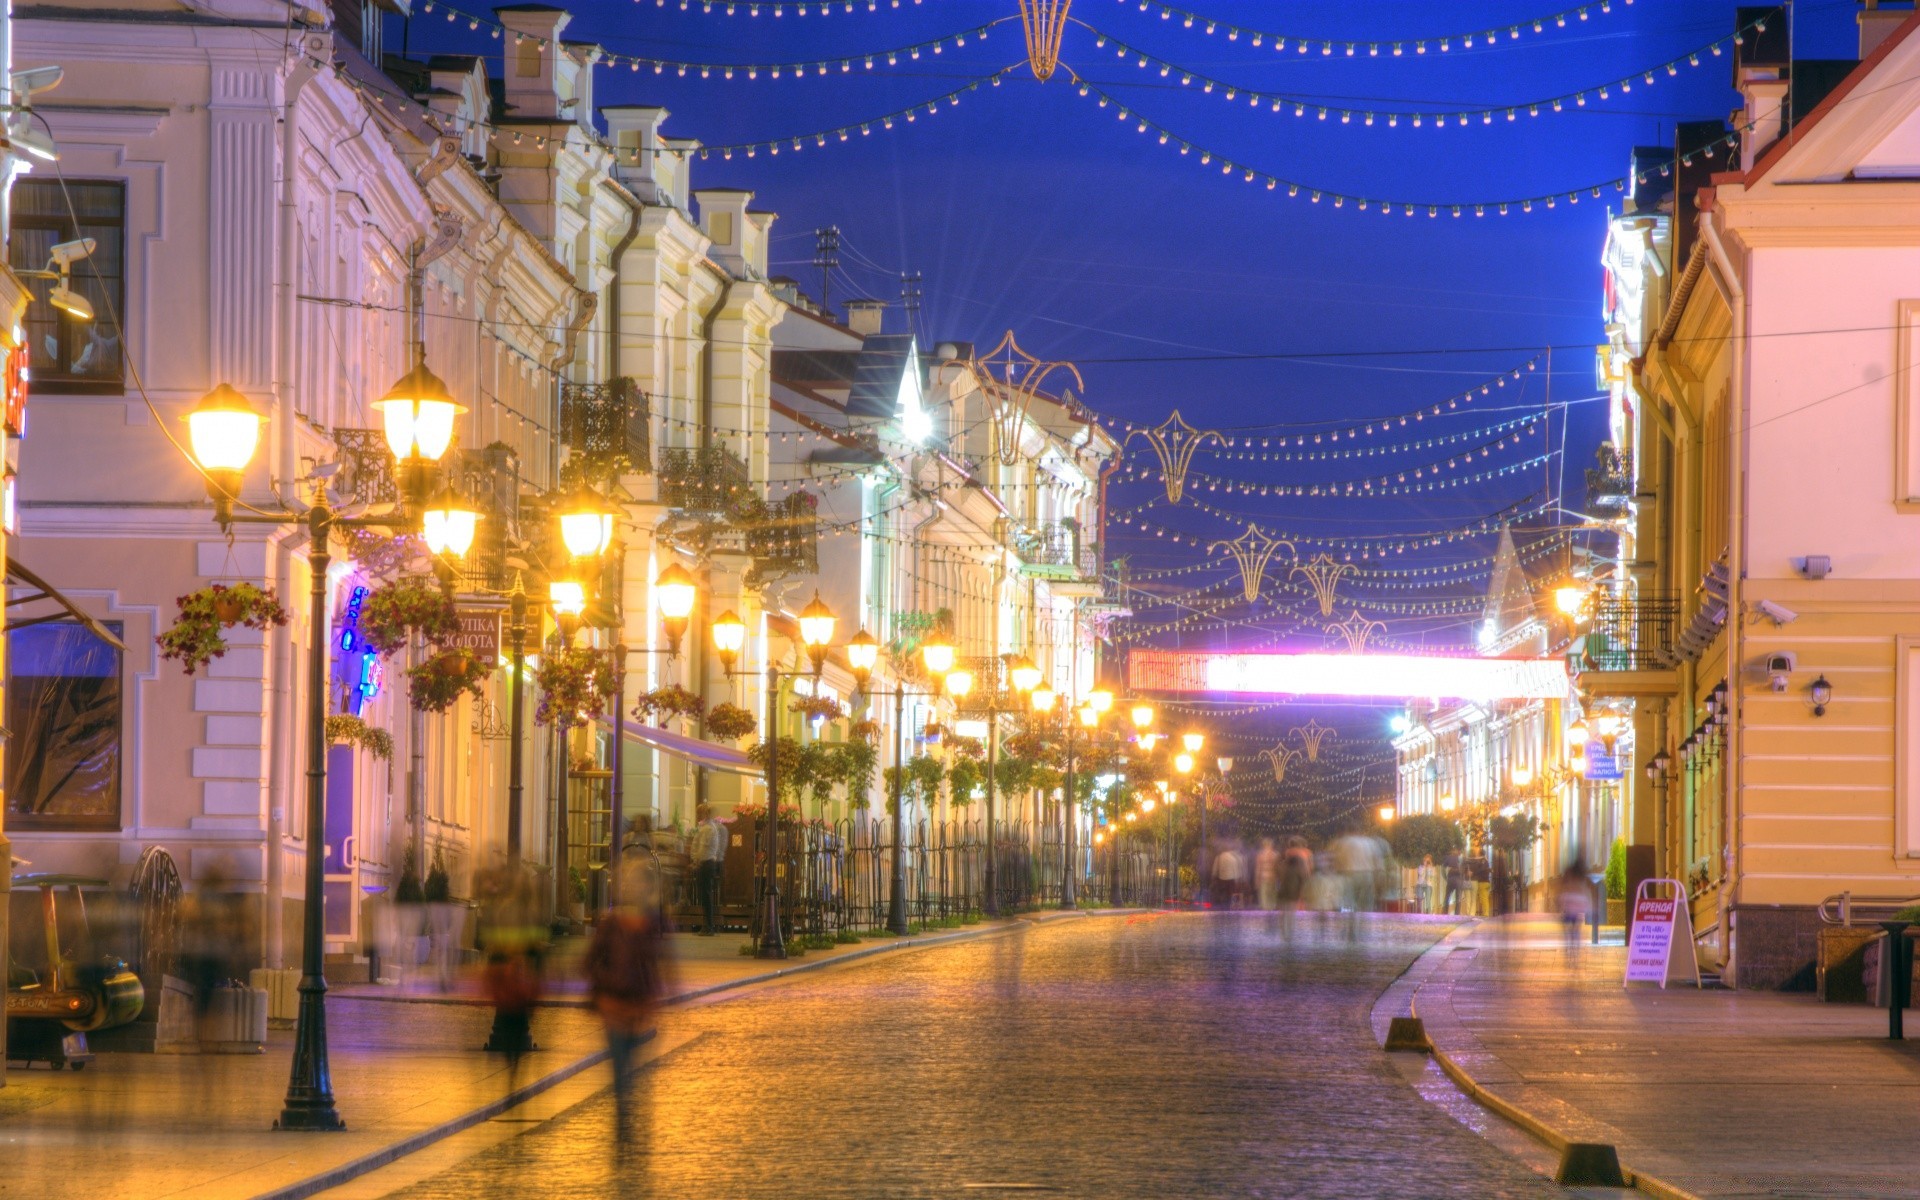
{"x": 1372, "y": 48}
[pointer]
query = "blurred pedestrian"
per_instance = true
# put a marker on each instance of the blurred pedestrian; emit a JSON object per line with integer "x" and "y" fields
{"x": 513, "y": 941}
{"x": 1266, "y": 874}
{"x": 626, "y": 975}
{"x": 709, "y": 855}
{"x": 1456, "y": 876}
{"x": 1227, "y": 870}
{"x": 1358, "y": 863}
{"x": 1576, "y": 898}
{"x": 1423, "y": 880}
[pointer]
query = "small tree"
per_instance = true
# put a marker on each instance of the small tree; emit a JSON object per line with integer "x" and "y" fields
{"x": 1414, "y": 837}
{"x": 1617, "y": 870}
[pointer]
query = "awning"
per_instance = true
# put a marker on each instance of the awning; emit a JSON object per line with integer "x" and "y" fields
{"x": 18, "y": 574}
{"x": 711, "y": 755}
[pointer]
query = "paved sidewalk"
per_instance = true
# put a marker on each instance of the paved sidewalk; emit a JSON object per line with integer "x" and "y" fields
{"x": 1714, "y": 1093}
{"x": 404, "y": 1075}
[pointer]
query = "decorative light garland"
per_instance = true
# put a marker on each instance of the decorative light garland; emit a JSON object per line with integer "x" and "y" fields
{"x": 754, "y": 8}
{"x": 1387, "y": 451}
{"x": 1376, "y": 487}
{"x": 1481, "y": 208}
{"x": 1370, "y": 545}
{"x": 1391, "y": 118}
{"x": 1396, "y": 47}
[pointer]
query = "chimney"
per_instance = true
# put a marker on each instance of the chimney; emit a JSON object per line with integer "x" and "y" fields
{"x": 530, "y": 49}
{"x": 723, "y": 217}
{"x": 1877, "y": 21}
{"x": 863, "y": 316}
{"x": 1762, "y": 64}
{"x": 640, "y": 158}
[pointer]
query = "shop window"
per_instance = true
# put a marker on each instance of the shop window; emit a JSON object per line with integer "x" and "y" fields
{"x": 63, "y": 712}
{"x": 67, "y": 355}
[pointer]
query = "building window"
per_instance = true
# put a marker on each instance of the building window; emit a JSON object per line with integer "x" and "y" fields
{"x": 63, "y": 717}
{"x": 69, "y": 355}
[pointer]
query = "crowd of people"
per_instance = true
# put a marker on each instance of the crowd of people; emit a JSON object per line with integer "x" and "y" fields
{"x": 1352, "y": 873}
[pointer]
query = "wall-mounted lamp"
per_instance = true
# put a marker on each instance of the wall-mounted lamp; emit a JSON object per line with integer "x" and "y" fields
{"x": 1657, "y": 769}
{"x": 1822, "y": 694}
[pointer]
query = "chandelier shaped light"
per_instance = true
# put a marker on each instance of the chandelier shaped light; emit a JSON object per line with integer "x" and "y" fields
{"x": 1357, "y": 630}
{"x": 1010, "y": 378}
{"x": 1250, "y": 551}
{"x": 1044, "y": 22}
{"x": 1279, "y": 757}
{"x": 1311, "y": 735}
{"x": 1174, "y": 443}
{"x": 1323, "y": 575}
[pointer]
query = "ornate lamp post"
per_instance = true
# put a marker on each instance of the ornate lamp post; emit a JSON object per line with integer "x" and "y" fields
{"x": 729, "y": 637}
{"x": 224, "y": 430}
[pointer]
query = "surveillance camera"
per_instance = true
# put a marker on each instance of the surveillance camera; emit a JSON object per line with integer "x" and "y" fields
{"x": 34, "y": 80}
{"x": 1780, "y": 669}
{"x": 65, "y": 254}
{"x": 1779, "y": 614}
{"x": 71, "y": 302}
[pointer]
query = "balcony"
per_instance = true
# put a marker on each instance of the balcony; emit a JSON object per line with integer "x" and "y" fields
{"x": 366, "y": 467}
{"x": 1050, "y": 549}
{"x": 1610, "y": 485}
{"x": 1628, "y": 649}
{"x": 709, "y": 481}
{"x": 783, "y": 538}
{"x": 608, "y": 426}
{"x": 490, "y": 477}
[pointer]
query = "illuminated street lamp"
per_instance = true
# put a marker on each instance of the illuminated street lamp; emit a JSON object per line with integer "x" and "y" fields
{"x": 937, "y": 654}
{"x": 816, "y": 630}
{"x": 1386, "y": 813}
{"x": 1089, "y": 716}
{"x": 729, "y": 638}
{"x": 959, "y": 683}
{"x": 224, "y": 429}
{"x": 863, "y": 655}
{"x": 1101, "y": 700}
{"x": 1142, "y": 717}
{"x": 1193, "y": 742}
{"x": 1183, "y": 763}
{"x": 1522, "y": 776}
{"x": 673, "y": 591}
{"x": 448, "y": 525}
{"x": 1570, "y": 597}
{"x": 1024, "y": 675}
{"x": 586, "y": 525}
{"x": 1225, "y": 763}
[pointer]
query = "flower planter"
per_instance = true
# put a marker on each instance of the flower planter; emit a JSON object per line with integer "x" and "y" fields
{"x": 456, "y": 663}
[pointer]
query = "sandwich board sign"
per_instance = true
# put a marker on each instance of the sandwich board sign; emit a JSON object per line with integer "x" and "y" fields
{"x": 1660, "y": 946}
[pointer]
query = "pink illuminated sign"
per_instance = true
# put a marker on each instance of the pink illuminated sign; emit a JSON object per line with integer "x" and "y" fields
{"x": 1410, "y": 675}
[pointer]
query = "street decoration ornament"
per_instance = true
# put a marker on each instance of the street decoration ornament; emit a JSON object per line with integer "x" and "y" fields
{"x": 1044, "y": 22}
{"x": 1311, "y": 735}
{"x": 1357, "y": 630}
{"x": 1174, "y": 442}
{"x": 1279, "y": 757}
{"x": 1010, "y": 378}
{"x": 1251, "y": 550}
{"x": 1323, "y": 575}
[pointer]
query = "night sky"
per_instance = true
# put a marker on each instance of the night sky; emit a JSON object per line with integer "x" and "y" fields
{"x": 1171, "y": 284}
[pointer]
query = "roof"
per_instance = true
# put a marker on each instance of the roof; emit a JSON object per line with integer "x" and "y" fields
{"x": 815, "y": 366}
{"x": 883, "y": 361}
{"x": 1835, "y": 96}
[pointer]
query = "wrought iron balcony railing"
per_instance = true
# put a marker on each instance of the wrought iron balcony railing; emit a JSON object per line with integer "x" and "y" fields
{"x": 1630, "y": 633}
{"x": 1610, "y": 485}
{"x": 366, "y": 466}
{"x": 490, "y": 477}
{"x": 784, "y": 537}
{"x": 707, "y": 480}
{"x": 609, "y": 425}
{"x": 1050, "y": 548}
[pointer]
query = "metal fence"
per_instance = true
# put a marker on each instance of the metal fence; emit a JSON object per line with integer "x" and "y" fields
{"x": 1630, "y": 633}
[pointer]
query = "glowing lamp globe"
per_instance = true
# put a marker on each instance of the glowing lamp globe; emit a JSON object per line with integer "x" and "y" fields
{"x": 1142, "y": 716}
{"x": 568, "y": 597}
{"x": 937, "y": 654}
{"x": 1578, "y": 735}
{"x": 448, "y": 525}
{"x": 1145, "y": 806}
{"x": 1089, "y": 715}
{"x": 863, "y": 654}
{"x": 673, "y": 591}
{"x": 729, "y": 636}
{"x": 586, "y": 526}
{"x": 1570, "y": 598}
{"x": 816, "y": 625}
{"x": 1024, "y": 675}
{"x": 224, "y": 430}
{"x": 417, "y": 414}
{"x": 1183, "y": 762}
{"x": 1193, "y": 741}
{"x": 1102, "y": 701}
{"x": 959, "y": 683}
{"x": 1386, "y": 812}
{"x": 1043, "y": 699}
{"x": 1522, "y": 776}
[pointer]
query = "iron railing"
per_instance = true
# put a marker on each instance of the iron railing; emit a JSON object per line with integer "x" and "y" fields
{"x": 608, "y": 425}
{"x": 490, "y": 477}
{"x": 1610, "y": 484}
{"x": 1630, "y": 633}
{"x": 709, "y": 480}
{"x": 1050, "y": 548}
{"x": 783, "y": 537}
{"x": 366, "y": 466}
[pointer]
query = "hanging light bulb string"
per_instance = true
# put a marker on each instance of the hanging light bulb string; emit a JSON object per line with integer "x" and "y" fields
{"x": 1239, "y": 453}
{"x": 1307, "y": 107}
{"x": 1339, "y": 199}
{"x": 798, "y": 69}
{"x": 1370, "y": 545}
{"x": 1386, "y": 487}
{"x": 1395, "y": 47}
{"x": 780, "y": 8}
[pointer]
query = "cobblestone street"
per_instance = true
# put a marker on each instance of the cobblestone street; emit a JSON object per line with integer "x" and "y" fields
{"x": 1134, "y": 1057}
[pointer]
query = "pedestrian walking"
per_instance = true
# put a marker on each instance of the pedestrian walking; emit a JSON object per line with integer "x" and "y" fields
{"x": 1266, "y": 874}
{"x": 1576, "y": 898}
{"x": 1456, "y": 876}
{"x": 1296, "y": 875}
{"x": 626, "y": 976}
{"x": 709, "y": 854}
{"x": 1423, "y": 880}
{"x": 514, "y": 942}
{"x": 1227, "y": 869}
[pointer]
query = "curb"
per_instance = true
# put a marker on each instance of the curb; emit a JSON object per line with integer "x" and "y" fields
{"x": 335, "y": 1176}
{"x": 1512, "y": 1113}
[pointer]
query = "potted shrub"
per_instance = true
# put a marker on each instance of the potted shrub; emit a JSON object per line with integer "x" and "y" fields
{"x": 394, "y": 611}
{"x": 435, "y": 684}
{"x": 574, "y": 686}
{"x": 962, "y": 777}
{"x": 730, "y": 722}
{"x": 1617, "y": 883}
{"x": 197, "y": 636}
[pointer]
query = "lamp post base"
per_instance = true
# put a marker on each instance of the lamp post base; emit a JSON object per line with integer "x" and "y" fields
{"x": 770, "y": 945}
{"x": 318, "y": 1116}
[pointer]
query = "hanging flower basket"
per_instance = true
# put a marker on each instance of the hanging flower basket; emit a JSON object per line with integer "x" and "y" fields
{"x": 351, "y": 730}
{"x": 818, "y": 708}
{"x": 574, "y": 686}
{"x": 866, "y": 731}
{"x": 197, "y": 636}
{"x": 730, "y": 722}
{"x": 435, "y": 684}
{"x": 394, "y": 611}
{"x": 664, "y": 704}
